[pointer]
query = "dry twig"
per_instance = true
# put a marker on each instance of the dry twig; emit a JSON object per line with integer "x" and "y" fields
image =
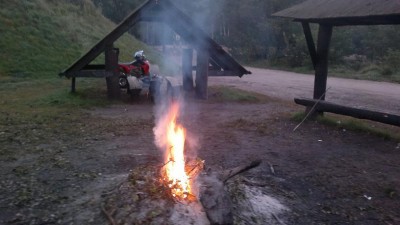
{"x": 271, "y": 167}
{"x": 108, "y": 215}
{"x": 277, "y": 219}
{"x": 311, "y": 110}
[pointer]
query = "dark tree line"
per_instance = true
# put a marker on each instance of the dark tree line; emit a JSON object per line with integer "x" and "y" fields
{"x": 250, "y": 33}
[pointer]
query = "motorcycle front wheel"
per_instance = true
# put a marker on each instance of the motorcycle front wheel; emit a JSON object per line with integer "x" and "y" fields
{"x": 122, "y": 81}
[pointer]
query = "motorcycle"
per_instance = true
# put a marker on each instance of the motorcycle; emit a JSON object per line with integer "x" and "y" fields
{"x": 135, "y": 77}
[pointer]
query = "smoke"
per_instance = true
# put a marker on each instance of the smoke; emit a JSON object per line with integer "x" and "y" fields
{"x": 171, "y": 66}
{"x": 203, "y": 13}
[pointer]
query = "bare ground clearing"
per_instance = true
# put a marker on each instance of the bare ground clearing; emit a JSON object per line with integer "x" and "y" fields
{"x": 56, "y": 173}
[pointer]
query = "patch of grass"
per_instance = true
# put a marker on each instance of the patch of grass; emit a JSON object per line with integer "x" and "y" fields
{"x": 384, "y": 131}
{"x": 231, "y": 94}
{"x": 261, "y": 128}
{"x": 41, "y": 38}
{"x": 41, "y": 101}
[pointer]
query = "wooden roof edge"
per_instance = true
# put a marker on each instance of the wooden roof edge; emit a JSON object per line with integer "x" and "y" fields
{"x": 351, "y": 21}
{"x": 341, "y": 12}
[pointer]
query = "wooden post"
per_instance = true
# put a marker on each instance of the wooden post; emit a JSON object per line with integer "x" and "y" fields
{"x": 310, "y": 42}
{"x": 73, "y": 81}
{"x": 203, "y": 58}
{"x": 321, "y": 66}
{"x": 111, "y": 61}
{"x": 187, "y": 69}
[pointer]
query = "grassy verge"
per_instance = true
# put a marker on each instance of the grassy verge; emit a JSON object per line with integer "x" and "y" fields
{"x": 384, "y": 131}
{"x": 44, "y": 100}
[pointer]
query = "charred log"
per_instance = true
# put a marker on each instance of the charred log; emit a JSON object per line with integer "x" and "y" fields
{"x": 214, "y": 198}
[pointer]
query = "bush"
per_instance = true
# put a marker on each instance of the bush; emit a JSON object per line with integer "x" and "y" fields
{"x": 392, "y": 59}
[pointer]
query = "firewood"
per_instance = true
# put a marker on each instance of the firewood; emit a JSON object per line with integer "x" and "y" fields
{"x": 214, "y": 198}
{"x": 227, "y": 174}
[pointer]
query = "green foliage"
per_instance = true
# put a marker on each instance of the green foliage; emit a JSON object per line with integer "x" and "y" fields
{"x": 391, "y": 62}
{"x": 347, "y": 123}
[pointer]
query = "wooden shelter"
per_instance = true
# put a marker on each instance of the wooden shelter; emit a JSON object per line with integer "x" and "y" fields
{"x": 333, "y": 13}
{"x": 212, "y": 60}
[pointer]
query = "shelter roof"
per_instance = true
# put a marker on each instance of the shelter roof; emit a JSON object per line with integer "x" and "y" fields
{"x": 345, "y": 12}
{"x": 164, "y": 11}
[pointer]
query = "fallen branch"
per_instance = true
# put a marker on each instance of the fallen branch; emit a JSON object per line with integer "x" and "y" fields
{"x": 227, "y": 174}
{"x": 108, "y": 215}
{"x": 311, "y": 110}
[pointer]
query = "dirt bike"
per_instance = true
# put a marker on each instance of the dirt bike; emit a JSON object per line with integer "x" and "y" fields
{"x": 135, "y": 77}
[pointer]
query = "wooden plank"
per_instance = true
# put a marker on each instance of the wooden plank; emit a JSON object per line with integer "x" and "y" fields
{"x": 219, "y": 73}
{"x": 356, "y": 21}
{"x": 323, "y": 106}
{"x": 321, "y": 67}
{"x": 94, "y": 67}
{"x": 310, "y": 42}
{"x": 187, "y": 71}
{"x": 90, "y": 73}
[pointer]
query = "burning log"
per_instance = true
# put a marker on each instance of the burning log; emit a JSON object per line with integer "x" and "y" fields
{"x": 213, "y": 196}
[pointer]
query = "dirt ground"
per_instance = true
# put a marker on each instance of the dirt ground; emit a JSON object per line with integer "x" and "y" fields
{"x": 321, "y": 174}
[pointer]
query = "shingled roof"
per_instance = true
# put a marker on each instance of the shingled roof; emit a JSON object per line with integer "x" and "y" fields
{"x": 345, "y": 12}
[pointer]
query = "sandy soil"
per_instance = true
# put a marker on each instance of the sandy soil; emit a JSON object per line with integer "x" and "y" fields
{"x": 319, "y": 174}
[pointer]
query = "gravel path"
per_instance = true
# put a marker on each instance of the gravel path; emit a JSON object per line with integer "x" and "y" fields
{"x": 379, "y": 96}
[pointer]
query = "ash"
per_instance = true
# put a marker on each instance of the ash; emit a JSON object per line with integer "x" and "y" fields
{"x": 251, "y": 205}
{"x": 142, "y": 199}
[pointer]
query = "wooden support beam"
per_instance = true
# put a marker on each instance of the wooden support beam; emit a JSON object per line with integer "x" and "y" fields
{"x": 321, "y": 67}
{"x": 111, "y": 61}
{"x": 73, "y": 83}
{"x": 310, "y": 42}
{"x": 90, "y": 73}
{"x": 187, "y": 71}
{"x": 219, "y": 73}
{"x": 202, "y": 73}
{"x": 323, "y": 106}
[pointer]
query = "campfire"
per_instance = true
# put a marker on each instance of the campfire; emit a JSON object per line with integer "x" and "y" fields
{"x": 179, "y": 190}
{"x": 176, "y": 170}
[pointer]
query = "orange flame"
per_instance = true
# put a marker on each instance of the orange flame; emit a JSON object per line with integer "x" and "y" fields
{"x": 174, "y": 169}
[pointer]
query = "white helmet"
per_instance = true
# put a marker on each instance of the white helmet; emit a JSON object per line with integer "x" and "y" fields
{"x": 139, "y": 55}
